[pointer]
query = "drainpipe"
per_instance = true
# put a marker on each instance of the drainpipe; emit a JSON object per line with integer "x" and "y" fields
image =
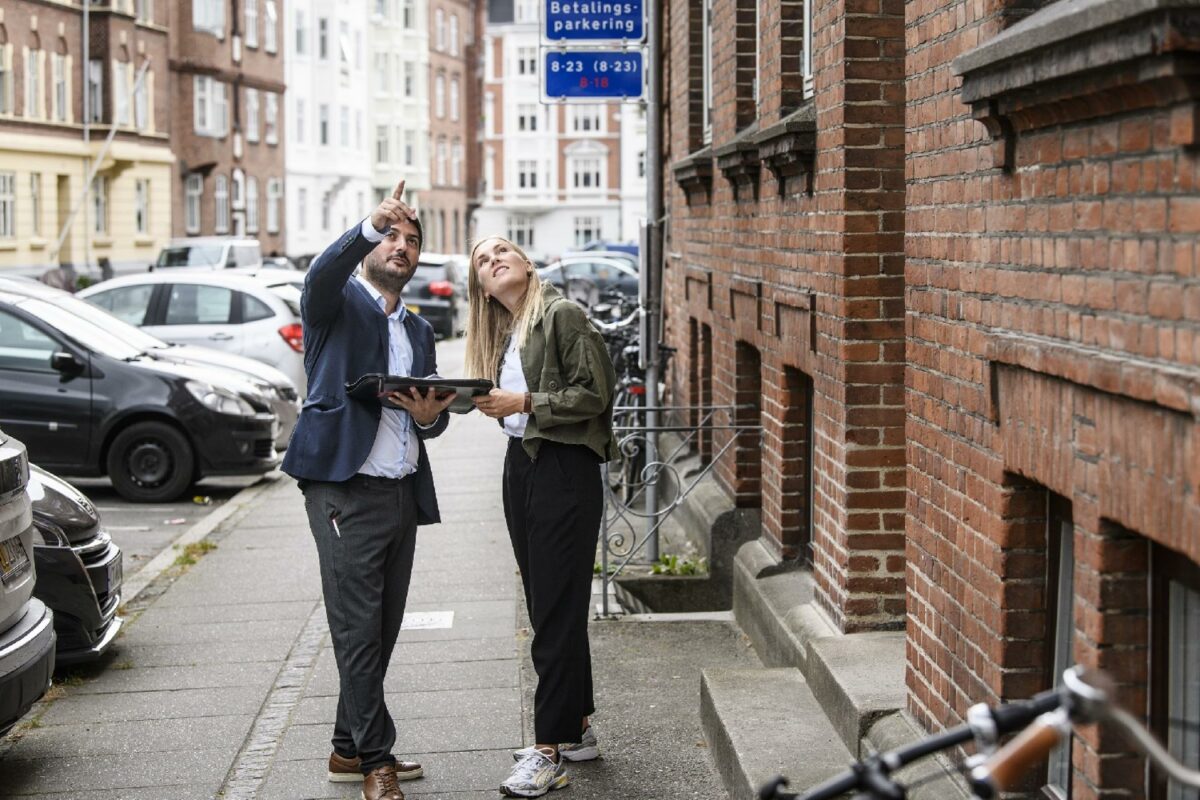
{"x": 652, "y": 258}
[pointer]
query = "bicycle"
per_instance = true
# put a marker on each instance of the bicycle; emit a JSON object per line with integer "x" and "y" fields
{"x": 1042, "y": 721}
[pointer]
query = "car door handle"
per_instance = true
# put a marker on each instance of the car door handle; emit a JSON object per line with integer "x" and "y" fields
{"x": 220, "y": 337}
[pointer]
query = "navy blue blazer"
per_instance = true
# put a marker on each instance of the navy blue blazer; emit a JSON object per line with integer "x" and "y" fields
{"x": 346, "y": 336}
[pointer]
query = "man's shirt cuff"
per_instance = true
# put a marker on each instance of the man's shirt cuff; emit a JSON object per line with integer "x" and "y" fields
{"x": 370, "y": 234}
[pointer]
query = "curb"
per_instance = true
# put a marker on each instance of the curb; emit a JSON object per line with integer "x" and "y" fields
{"x": 137, "y": 583}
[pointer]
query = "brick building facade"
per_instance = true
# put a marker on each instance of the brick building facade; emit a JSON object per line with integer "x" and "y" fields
{"x": 960, "y": 271}
{"x": 443, "y": 207}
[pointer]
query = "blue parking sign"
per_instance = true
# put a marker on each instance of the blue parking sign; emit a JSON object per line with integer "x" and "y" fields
{"x": 594, "y": 20}
{"x": 593, "y": 74}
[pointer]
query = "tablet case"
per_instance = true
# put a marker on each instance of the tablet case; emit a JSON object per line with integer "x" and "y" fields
{"x": 375, "y": 385}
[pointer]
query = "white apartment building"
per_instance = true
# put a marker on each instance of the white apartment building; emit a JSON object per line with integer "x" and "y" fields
{"x": 398, "y": 96}
{"x": 330, "y": 155}
{"x": 556, "y": 176}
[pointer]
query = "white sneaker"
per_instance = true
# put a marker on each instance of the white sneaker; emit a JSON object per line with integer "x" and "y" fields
{"x": 586, "y": 749}
{"x": 534, "y": 775}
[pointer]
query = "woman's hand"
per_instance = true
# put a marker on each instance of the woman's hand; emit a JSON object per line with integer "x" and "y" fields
{"x": 498, "y": 403}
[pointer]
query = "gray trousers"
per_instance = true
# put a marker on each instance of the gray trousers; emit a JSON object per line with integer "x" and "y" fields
{"x": 365, "y": 531}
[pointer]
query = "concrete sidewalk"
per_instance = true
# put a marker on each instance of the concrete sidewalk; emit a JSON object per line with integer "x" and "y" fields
{"x": 224, "y": 683}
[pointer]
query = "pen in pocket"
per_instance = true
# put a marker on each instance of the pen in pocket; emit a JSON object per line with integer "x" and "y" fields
{"x": 336, "y": 529}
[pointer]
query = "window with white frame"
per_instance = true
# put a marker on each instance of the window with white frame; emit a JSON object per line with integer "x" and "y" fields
{"x": 454, "y": 47}
{"x": 454, "y": 112}
{"x": 301, "y": 33}
{"x": 527, "y": 117}
{"x": 520, "y": 230}
{"x": 35, "y": 202}
{"x": 527, "y": 172}
{"x": 383, "y": 74}
{"x": 251, "y": 23}
{"x": 456, "y": 162}
{"x": 193, "y": 190}
{"x": 144, "y": 11}
{"x": 325, "y": 211}
{"x": 122, "y": 72}
{"x": 381, "y": 8}
{"x": 443, "y": 156}
{"x": 410, "y": 78}
{"x": 251, "y": 204}
{"x": 527, "y": 61}
{"x": 439, "y": 96}
{"x": 8, "y": 205}
{"x": 526, "y": 11}
{"x": 586, "y": 119}
{"x": 323, "y": 125}
{"x": 272, "y": 118}
{"x": 6, "y": 80}
{"x": 323, "y": 39}
{"x": 221, "y": 204}
{"x": 298, "y": 125}
{"x": 270, "y": 27}
{"x": 586, "y": 229}
{"x": 439, "y": 29}
{"x": 33, "y": 84}
{"x": 344, "y": 46}
{"x": 95, "y": 90}
{"x": 381, "y": 144}
{"x": 141, "y": 103}
{"x": 210, "y": 108}
{"x": 358, "y": 128}
{"x": 344, "y": 126}
{"x": 585, "y": 173}
{"x": 807, "y": 45}
{"x": 274, "y": 192}
{"x": 641, "y": 164}
{"x": 58, "y": 74}
{"x": 409, "y": 13}
{"x": 141, "y": 206}
{"x": 100, "y": 205}
{"x": 302, "y": 208}
{"x": 409, "y": 148}
{"x": 209, "y": 16}
{"x": 706, "y": 62}
{"x": 251, "y": 115}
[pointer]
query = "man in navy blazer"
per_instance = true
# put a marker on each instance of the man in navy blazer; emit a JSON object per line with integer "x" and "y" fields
{"x": 364, "y": 472}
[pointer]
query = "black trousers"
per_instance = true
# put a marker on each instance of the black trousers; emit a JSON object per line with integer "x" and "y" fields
{"x": 553, "y": 508}
{"x": 365, "y": 529}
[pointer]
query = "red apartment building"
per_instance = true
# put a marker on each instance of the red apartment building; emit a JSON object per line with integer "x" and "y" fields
{"x": 452, "y": 43}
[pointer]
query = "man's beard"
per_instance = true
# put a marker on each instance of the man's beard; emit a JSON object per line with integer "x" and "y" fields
{"x": 376, "y": 271}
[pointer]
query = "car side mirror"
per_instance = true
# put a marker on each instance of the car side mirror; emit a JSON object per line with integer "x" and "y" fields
{"x": 66, "y": 363}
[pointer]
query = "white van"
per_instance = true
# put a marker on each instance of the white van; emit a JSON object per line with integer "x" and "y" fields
{"x": 210, "y": 252}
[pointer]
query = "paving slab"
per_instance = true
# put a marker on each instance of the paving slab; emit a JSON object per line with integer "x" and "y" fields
{"x": 253, "y": 674}
{"x": 131, "y": 706}
{"x": 115, "y": 771}
{"x": 459, "y": 703}
{"x": 143, "y": 736}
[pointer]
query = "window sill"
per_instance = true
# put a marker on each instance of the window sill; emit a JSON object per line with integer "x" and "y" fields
{"x": 1079, "y": 60}
{"x": 8, "y": 244}
{"x": 102, "y": 241}
{"x": 789, "y": 147}
{"x": 38, "y": 243}
{"x": 143, "y": 241}
{"x": 739, "y": 160}
{"x": 694, "y": 173}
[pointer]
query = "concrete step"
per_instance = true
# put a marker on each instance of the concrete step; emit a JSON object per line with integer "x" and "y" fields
{"x": 765, "y": 722}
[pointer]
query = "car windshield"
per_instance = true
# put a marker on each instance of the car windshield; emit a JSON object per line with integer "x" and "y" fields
{"x": 192, "y": 255}
{"x": 136, "y": 337}
{"x": 244, "y": 256}
{"x": 430, "y": 272}
{"x": 87, "y": 334}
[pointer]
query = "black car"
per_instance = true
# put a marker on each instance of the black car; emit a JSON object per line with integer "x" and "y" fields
{"x": 26, "y": 625}
{"x": 86, "y": 403}
{"x": 438, "y": 292}
{"x": 79, "y": 568}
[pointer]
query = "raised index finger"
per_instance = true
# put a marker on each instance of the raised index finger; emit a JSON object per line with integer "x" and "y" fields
{"x": 399, "y": 193}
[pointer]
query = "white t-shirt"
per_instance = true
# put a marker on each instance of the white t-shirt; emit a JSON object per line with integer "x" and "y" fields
{"x": 512, "y": 379}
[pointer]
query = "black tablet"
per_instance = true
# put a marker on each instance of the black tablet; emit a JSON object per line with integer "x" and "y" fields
{"x": 374, "y": 386}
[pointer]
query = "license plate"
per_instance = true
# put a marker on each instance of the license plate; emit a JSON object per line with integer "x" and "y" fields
{"x": 13, "y": 561}
{"x": 412, "y": 308}
{"x": 116, "y": 575}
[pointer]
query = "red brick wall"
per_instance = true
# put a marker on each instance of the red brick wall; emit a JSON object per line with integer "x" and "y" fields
{"x": 812, "y": 282}
{"x": 1051, "y": 330}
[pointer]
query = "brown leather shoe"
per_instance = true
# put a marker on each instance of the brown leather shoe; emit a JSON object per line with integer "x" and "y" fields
{"x": 381, "y": 784}
{"x": 343, "y": 770}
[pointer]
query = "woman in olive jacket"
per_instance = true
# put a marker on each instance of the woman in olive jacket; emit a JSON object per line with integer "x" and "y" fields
{"x": 554, "y": 399}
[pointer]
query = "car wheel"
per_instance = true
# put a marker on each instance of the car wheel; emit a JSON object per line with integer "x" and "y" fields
{"x": 150, "y": 462}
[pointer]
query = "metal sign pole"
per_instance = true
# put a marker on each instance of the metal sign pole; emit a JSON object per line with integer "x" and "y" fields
{"x": 652, "y": 261}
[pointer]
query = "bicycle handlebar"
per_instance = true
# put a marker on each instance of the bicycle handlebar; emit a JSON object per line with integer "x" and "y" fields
{"x": 1003, "y": 769}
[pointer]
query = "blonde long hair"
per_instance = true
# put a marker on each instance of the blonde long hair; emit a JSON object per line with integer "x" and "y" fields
{"x": 490, "y": 324}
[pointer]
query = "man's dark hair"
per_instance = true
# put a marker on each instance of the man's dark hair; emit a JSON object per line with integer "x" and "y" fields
{"x": 416, "y": 221}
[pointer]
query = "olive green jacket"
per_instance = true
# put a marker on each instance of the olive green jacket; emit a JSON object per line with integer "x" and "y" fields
{"x": 571, "y": 380}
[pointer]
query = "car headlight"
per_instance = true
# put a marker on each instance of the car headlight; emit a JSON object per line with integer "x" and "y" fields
{"x": 47, "y": 535}
{"x": 220, "y": 400}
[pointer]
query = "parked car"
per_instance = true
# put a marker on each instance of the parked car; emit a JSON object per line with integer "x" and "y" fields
{"x": 605, "y": 246}
{"x": 232, "y": 313}
{"x": 585, "y": 278}
{"x": 438, "y": 292}
{"x": 79, "y": 568}
{"x": 280, "y": 393}
{"x": 85, "y": 402}
{"x": 26, "y": 626}
{"x": 210, "y": 252}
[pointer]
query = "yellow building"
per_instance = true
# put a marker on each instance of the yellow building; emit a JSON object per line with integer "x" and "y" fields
{"x": 46, "y": 95}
